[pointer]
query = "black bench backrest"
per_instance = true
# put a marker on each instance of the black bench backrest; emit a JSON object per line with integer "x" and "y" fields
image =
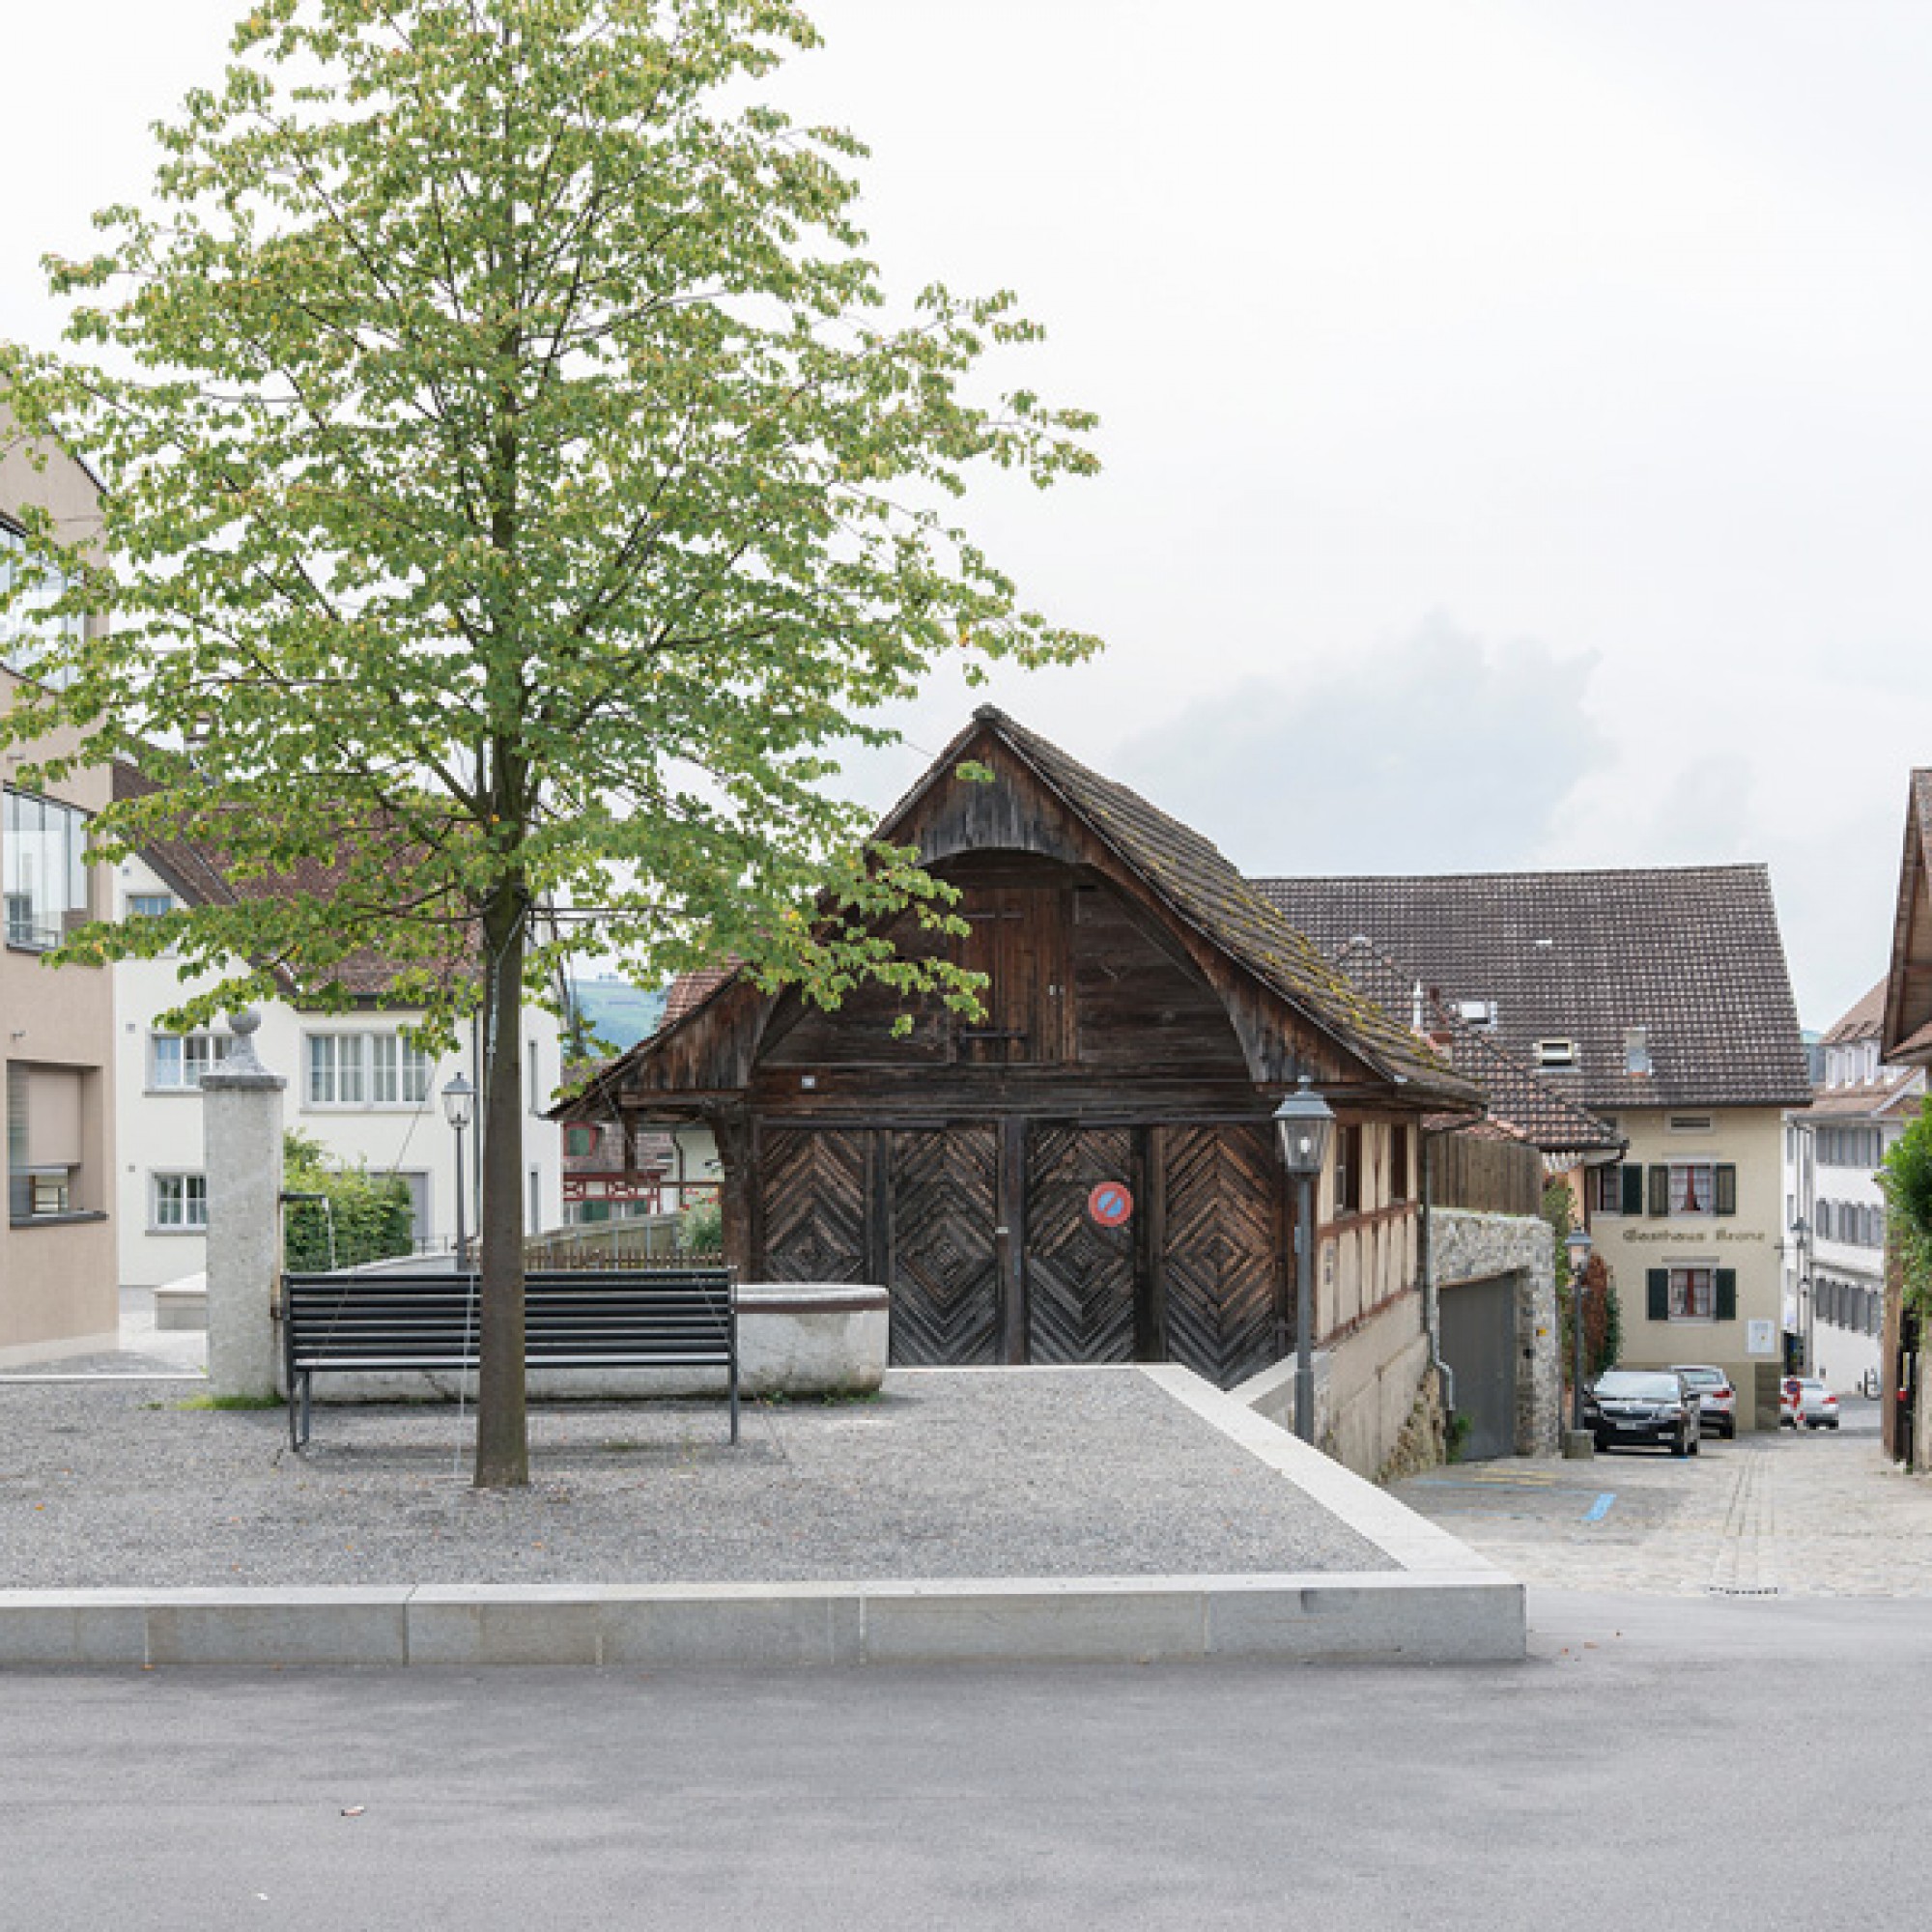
{"x": 573, "y": 1317}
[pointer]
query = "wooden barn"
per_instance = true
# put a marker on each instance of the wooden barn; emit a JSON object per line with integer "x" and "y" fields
{"x": 1086, "y": 1172}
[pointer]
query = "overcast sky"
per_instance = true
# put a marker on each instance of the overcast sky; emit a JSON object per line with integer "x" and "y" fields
{"x": 1517, "y": 414}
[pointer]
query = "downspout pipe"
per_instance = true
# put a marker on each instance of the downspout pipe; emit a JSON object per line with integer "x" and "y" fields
{"x": 1432, "y": 1308}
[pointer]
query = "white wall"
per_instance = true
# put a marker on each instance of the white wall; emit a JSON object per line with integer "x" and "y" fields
{"x": 1821, "y": 1270}
{"x": 159, "y": 1132}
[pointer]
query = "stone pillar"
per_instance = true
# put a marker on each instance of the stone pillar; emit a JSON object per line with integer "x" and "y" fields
{"x": 242, "y": 1129}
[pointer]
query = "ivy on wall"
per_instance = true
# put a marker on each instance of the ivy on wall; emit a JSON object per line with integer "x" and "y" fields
{"x": 1906, "y": 1177}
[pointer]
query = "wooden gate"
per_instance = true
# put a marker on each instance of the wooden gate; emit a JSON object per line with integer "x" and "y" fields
{"x": 814, "y": 1190}
{"x": 983, "y": 1234}
{"x": 942, "y": 1269}
{"x": 1080, "y": 1277}
{"x": 1222, "y": 1271}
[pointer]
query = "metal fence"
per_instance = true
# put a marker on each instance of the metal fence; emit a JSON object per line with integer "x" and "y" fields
{"x": 646, "y": 1240}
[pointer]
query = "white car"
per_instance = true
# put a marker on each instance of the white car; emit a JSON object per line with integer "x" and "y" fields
{"x": 1717, "y": 1399}
{"x": 1807, "y": 1400}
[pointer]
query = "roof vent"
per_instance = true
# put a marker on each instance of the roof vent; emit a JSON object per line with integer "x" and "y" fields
{"x": 1636, "y": 1050}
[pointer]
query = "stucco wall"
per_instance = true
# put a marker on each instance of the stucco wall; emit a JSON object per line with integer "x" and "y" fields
{"x": 57, "y": 1286}
{"x": 161, "y": 1131}
{"x": 1365, "y": 1388}
{"x": 1752, "y": 1140}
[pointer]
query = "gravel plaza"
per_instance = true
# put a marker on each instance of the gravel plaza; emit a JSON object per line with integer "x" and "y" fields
{"x": 1102, "y": 1512}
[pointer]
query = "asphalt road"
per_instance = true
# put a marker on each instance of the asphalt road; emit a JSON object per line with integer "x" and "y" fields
{"x": 1643, "y": 1767}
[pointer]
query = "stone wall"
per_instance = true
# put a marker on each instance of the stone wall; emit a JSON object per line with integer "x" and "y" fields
{"x": 1466, "y": 1247}
{"x": 1365, "y": 1388}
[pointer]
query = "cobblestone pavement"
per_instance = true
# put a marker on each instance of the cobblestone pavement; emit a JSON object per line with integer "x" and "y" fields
{"x": 1815, "y": 1515}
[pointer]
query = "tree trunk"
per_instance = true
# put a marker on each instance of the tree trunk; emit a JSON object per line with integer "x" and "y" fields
{"x": 503, "y": 1434}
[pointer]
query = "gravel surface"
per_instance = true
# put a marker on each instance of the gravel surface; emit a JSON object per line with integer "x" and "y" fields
{"x": 1036, "y": 1473}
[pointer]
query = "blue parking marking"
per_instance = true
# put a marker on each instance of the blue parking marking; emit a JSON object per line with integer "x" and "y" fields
{"x": 1600, "y": 1508}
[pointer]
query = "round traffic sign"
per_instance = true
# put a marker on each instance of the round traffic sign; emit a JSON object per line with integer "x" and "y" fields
{"x": 1110, "y": 1204}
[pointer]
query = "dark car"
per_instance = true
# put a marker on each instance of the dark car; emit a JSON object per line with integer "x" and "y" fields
{"x": 1655, "y": 1405}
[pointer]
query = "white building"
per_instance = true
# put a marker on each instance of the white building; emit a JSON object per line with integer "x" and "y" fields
{"x": 356, "y": 1084}
{"x": 1834, "y": 1209}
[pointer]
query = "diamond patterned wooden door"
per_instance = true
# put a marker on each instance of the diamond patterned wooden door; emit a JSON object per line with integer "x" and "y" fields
{"x": 1080, "y": 1277}
{"x": 945, "y": 1279}
{"x": 813, "y": 1186}
{"x": 1221, "y": 1256}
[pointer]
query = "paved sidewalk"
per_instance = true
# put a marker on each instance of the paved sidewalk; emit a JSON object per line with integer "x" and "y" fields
{"x": 1816, "y": 1514}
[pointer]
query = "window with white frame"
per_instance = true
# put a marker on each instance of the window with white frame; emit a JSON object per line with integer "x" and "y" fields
{"x": 177, "y": 1060}
{"x": 399, "y": 1073}
{"x": 364, "y": 1069}
{"x": 150, "y": 905}
{"x": 179, "y": 1204}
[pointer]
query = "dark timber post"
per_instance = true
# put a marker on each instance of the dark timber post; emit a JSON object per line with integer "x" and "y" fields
{"x": 1009, "y": 1239}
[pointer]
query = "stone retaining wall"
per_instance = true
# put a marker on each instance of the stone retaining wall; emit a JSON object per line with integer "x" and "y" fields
{"x": 1465, "y": 1246}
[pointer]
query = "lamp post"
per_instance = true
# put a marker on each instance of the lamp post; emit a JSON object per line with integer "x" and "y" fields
{"x": 1801, "y": 1232}
{"x": 1577, "y": 1244}
{"x": 458, "y": 1099}
{"x": 1305, "y": 1124}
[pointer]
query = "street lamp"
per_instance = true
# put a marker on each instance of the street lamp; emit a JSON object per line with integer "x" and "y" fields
{"x": 457, "y": 1099}
{"x": 1577, "y": 1244}
{"x": 1800, "y": 1231}
{"x": 1305, "y": 1122}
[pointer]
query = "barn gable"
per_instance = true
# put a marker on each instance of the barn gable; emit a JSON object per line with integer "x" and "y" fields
{"x": 1906, "y": 1036}
{"x": 1051, "y": 850}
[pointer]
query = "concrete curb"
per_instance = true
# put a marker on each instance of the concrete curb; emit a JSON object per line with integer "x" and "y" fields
{"x": 1318, "y": 1617}
{"x": 1442, "y": 1603}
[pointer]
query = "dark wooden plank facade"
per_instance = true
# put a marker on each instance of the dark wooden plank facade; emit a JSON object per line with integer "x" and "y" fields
{"x": 1134, "y": 1032}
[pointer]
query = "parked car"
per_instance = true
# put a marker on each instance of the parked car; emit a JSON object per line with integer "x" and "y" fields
{"x": 1655, "y": 1405}
{"x": 1717, "y": 1399}
{"x": 1809, "y": 1403}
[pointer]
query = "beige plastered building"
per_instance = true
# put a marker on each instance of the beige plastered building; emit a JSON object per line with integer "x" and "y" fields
{"x": 58, "y": 1295}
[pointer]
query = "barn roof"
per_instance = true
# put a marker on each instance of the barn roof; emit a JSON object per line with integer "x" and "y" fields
{"x": 1197, "y": 886}
{"x": 1907, "y": 1034}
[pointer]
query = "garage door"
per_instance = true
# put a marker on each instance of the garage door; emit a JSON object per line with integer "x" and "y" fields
{"x": 1479, "y": 1344}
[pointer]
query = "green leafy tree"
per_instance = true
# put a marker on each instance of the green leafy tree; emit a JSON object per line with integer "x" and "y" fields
{"x": 518, "y": 488}
{"x": 361, "y": 1216}
{"x": 1906, "y": 1177}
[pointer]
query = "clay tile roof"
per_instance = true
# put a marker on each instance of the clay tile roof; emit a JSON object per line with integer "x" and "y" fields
{"x": 1692, "y": 955}
{"x": 195, "y": 871}
{"x": 1864, "y": 1020}
{"x": 1202, "y": 888}
{"x": 690, "y": 990}
{"x": 1524, "y": 1102}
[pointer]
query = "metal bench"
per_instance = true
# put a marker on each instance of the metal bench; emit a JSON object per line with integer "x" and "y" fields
{"x": 373, "y": 1323}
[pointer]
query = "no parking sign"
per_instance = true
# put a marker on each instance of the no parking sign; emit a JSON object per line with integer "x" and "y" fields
{"x": 1110, "y": 1205}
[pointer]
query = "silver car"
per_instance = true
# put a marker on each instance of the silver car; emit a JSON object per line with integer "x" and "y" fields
{"x": 1717, "y": 1399}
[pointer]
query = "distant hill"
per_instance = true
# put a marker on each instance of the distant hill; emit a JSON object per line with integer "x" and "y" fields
{"x": 618, "y": 1014}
